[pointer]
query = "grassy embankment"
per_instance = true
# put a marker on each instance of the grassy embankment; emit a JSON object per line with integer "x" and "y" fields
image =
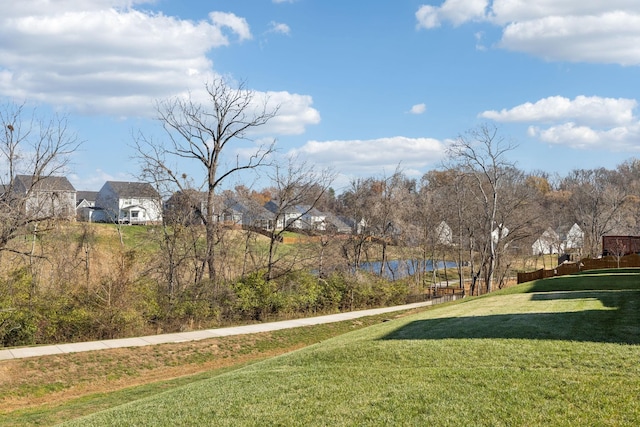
{"x": 563, "y": 351}
{"x": 51, "y": 389}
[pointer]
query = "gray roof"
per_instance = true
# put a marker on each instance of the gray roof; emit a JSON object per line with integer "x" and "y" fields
{"x": 125, "y": 189}
{"x": 246, "y": 206}
{"x": 187, "y": 197}
{"x": 341, "y": 226}
{"x": 86, "y": 195}
{"x": 43, "y": 183}
{"x": 272, "y": 207}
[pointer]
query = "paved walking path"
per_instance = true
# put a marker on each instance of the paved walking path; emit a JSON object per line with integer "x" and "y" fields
{"x": 22, "y": 352}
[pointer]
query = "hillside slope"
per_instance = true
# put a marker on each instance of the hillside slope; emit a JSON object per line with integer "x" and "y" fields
{"x": 558, "y": 352}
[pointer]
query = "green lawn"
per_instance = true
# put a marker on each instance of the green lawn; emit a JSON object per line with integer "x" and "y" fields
{"x": 564, "y": 351}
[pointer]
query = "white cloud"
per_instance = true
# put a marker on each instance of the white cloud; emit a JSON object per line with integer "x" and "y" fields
{"x": 294, "y": 114}
{"x": 107, "y": 57}
{"x": 506, "y": 11}
{"x": 592, "y": 110}
{"x": 455, "y": 11}
{"x": 584, "y": 122}
{"x": 278, "y": 27}
{"x": 563, "y": 30}
{"x": 418, "y": 109}
{"x": 479, "y": 45}
{"x": 371, "y": 157}
{"x": 238, "y": 25}
{"x": 622, "y": 138}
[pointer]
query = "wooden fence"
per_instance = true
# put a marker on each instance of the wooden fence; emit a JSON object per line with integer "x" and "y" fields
{"x": 628, "y": 261}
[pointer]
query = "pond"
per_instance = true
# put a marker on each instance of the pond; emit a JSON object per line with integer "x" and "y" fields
{"x": 397, "y": 269}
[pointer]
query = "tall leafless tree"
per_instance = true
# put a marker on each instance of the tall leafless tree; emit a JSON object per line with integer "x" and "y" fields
{"x": 598, "y": 197}
{"x": 482, "y": 154}
{"x": 199, "y": 134}
{"x": 297, "y": 189}
{"x": 444, "y": 202}
{"x": 391, "y": 198}
{"x": 355, "y": 205}
{"x": 35, "y": 147}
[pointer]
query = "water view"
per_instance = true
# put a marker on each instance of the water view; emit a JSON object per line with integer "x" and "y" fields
{"x": 397, "y": 269}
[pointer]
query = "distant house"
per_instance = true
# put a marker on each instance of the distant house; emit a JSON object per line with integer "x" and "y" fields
{"x": 186, "y": 207}
{"x": 563, "y": 240}
{"x": 302, "y": 217}
{"x": 288, "y": 216}
{"x": 336, "y": 224}
{"x": 128, "y": 203}
{"x": 548, "y": 243}
{"x": 247, "y": 212}
{"x": 573, "y": 238}
{"x": 312, "y": 218}
{"x": 355, "y": 227}
{"x": 45, "y": 197}
{"x": 499, "y": 233}
{"x": 443, "y": 234}
{"x": 85, "y": 205}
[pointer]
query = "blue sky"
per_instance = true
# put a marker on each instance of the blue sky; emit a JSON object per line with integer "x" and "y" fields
{"x": 362, "y": 86}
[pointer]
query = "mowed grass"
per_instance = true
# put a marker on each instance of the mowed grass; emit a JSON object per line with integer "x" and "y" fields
{"x": 563, "y": 351}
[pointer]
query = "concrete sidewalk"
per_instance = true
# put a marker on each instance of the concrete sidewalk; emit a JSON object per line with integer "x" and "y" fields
{"x": 22, "y": 352}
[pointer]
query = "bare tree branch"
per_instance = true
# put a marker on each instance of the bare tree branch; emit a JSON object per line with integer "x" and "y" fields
{"x": 199, "y": 134}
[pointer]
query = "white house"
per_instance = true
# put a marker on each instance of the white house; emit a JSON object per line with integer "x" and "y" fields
{"x": 128, "y": 203}
{"x": 444, "y": 234}
{"x": 573, "y": 239}
{"x": 85, "y": 205}
{"x": 303, "y": 217}
{"x": 548, "y": 243}
{"x": 312, "y": 218}
{"x": 501, "y": 231}
{"x": 563, "y": 240}
{"x": 45, "y": 197}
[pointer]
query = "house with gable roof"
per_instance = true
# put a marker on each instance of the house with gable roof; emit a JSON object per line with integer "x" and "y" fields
{"x": 187, "y": 206}
{"x": 573, "y": 238}
{"x": 237, "y": 210}
{"x": 564, "y": 239}
{"x": 548, "y": 243}
{"x": 128, "y": 203}
{"x": 336, "y": 224}
{"x": 44, "y": 197}
{"x": 303, "y": 217}
{"x": 443, "y": 234}
{"x": 85, "y": 205}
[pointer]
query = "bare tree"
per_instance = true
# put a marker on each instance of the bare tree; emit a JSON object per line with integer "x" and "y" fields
{"x": 619, "y": 250}
{"x": 597, "y": 199}
{"x": 443, "y": 207}
{"x": 481, "y": 152}
{"x": 519, "y": 210}
{"x": 354, "y": 204}
{"x": 297, "y": 189}
{"x": 200, "y": 133}
{"x": 34, "y": 151}
{"x": 391, "y": 196}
